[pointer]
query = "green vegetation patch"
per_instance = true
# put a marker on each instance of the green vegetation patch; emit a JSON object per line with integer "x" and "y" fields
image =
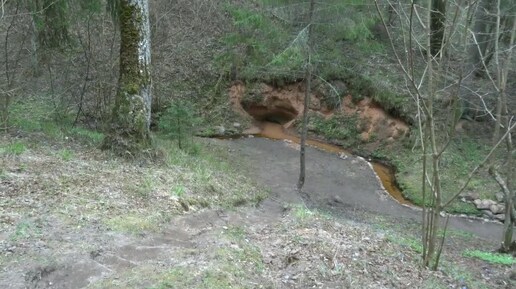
{"x": 208, "y": 179}
{"x": 25, "y": 230}
{"x": 14, "y": 149}
{"x": 66, "y": 154}
{"x": 38, "y": 115}
{"x": 87, "y": 136}
{"x": 493, "y": 258}
{"x": 338, "y": 127}
{"x": 412, "y": 243}
{"x": 458, "y": 161}
{"x": 135, "y": 223}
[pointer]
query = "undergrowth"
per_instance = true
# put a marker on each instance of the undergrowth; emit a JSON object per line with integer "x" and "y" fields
{"x": 338, "y": 127}
{"x": 493, "y": 258}
{"x": 458, "y": 161}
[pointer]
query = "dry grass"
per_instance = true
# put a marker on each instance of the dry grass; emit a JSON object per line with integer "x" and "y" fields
{"x": 92, "y": 186}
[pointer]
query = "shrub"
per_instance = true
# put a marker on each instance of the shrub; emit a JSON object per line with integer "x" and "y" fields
{"x": 178, "y": 123}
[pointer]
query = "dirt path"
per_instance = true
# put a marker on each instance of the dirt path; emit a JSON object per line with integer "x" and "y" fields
{"x": 340, "y": 185}
{"x": 52, "y": 238}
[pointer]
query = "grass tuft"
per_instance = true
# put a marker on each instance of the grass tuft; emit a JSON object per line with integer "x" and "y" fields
{"x": 135, "y": 223}
{"x": 13, "y": 149}
{"x": 493, "y": 258}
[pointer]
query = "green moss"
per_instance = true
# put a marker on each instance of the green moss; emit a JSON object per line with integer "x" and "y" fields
{"x": 130, "y": 124}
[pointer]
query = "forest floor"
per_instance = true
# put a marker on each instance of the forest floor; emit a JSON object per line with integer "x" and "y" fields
{"x": 72, "y": 216}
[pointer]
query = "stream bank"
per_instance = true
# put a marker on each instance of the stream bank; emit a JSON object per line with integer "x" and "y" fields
{"x": 364, "y": 128}
{"x": 383, "y": 172}
{"x": 342, "y": 186}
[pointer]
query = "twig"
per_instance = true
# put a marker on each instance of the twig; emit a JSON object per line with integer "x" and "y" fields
{"x": 473, "y": 172}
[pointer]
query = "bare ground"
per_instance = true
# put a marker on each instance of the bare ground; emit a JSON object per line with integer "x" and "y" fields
{"x": 91, "y": 221}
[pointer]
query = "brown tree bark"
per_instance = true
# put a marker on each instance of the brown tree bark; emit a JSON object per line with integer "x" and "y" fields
{"x": 308, "y": 76}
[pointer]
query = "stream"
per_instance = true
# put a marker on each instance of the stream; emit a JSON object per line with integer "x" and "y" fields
{"x": 385, "y": 174}
{"x": 336, "y": 181}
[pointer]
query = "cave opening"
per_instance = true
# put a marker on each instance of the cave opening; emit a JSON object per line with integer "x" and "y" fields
{"x": 279, "y": 115}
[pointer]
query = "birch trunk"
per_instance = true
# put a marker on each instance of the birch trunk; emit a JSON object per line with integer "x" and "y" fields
{"x": 130, "y": 126}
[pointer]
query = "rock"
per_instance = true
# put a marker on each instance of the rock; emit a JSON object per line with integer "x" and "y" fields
{"x": 500, "y": 217}
{"x": 497, "y": 209}
{"x": 220, "y": 129}
{"x": 236, "y": 125}
{"x": 500, "y": 197}
{"x": 483, "y": 204}
{"x": 488, "y": 214}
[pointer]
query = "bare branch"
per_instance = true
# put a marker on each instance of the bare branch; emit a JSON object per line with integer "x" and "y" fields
{"x": 480, "y": 165}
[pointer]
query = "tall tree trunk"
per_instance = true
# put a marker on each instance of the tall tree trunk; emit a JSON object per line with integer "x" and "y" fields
{"x": 130, "y": 126}
{"x": 503, "y": 120}
{"x": 481, "y": 50}
{"x": 308, "y": 76}
{"x": 437, "y": 25}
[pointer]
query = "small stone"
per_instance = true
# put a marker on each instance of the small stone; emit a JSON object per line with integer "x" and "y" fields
{"x": 500, "y": 197}
{"x": 500, "y": 217}
{"x": 484, "y": 204}
{"x": 488, "y": 214}
{"x": 236, "y": 125}
{"x": 497, "y": 209}
{"x": 221, "y": 129}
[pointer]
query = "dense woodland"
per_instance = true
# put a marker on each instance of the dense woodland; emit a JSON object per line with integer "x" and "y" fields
{"x": 132, "y": 78}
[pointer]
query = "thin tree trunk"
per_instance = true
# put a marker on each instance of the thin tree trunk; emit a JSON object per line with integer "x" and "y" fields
{"x": 308, "y": 76}
{"x": 437, "y": 25}
{"x": 504, "y": 118}
{"x": 432, "y": 223}
{"x": 483, "y": 30}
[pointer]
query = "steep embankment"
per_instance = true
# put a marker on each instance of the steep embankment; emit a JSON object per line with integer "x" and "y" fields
{"x": 284, "y": 105}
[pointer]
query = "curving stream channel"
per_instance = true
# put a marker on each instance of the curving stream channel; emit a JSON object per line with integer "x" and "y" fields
{"x": 328, "y": 185}
{"x": 385, "y": 174}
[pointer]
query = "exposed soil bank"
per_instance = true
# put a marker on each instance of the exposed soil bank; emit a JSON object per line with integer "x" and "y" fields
{"x": 275, "y": 109}
{"x": 283, "y": 105}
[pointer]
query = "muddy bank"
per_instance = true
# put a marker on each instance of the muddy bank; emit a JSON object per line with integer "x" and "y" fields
{"x": 336, "y": 184}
